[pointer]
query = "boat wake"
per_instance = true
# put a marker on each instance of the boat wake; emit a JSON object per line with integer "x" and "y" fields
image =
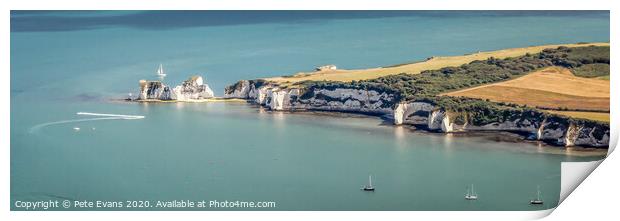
{"x": 37, "y": 127}
{"x": 125, "y": 117}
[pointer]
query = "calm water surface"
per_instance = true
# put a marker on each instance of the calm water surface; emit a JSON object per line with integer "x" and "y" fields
{"x": 235, "y": 151}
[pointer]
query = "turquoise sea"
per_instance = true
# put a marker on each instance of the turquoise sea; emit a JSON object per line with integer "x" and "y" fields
{"x": 65, "y": 62}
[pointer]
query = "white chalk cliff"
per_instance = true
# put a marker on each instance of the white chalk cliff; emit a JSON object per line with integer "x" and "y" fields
{"x": 154, "y": 90}
{"x": 553, "y": 130}
{"x": 191, "y": 89}
{"x": 339, "y": 99}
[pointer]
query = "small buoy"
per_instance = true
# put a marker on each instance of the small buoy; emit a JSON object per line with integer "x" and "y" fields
{"x": 93, "y": 128}
{"x": 76, "y": 128}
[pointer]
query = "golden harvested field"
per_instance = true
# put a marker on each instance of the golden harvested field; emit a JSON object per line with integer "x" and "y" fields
{"x": 597, "y": 116}
{"x": 552, "y": 87}
{"x": 535, "y": 98}
{"x": 415, "y": 68}
{"x": 560, "y": 80}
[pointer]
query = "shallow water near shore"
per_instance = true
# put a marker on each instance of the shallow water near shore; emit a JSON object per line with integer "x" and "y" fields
{"x": 236, "y": 151}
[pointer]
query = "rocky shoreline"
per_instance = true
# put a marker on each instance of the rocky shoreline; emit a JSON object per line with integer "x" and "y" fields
{"x": 550, "y": 129}
{"x": 190, "y": 90}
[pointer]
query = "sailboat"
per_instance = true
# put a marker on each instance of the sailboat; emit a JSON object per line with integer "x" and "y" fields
{"x": 538, "y": 200}
{"x": 369, "y": 187}
{"x": 160, "y": 72}
{"x": 471, "y": 195}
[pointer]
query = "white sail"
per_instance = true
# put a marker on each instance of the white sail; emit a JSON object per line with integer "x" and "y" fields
{"x": 370, "y": 180}
{"x": 471, "y": 193}
{"x": 160, "y": 70}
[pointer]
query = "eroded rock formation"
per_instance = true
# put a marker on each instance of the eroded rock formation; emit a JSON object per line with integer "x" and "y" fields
{"x": 192, "y": 89}
{"x": 551, "y": 129}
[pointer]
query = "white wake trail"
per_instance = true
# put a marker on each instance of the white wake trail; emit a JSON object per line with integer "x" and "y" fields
{"x": 128, "y": 117}
{"x": 105, "y": 117}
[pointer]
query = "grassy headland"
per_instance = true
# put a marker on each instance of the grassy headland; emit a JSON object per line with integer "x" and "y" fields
{"x": 432, "y": 63}
{"x": 528, "y": 83}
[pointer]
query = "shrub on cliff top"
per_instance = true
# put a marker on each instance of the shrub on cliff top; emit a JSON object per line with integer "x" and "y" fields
{"x": 431, "y": 83}
{"x": 427, "y": 85}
